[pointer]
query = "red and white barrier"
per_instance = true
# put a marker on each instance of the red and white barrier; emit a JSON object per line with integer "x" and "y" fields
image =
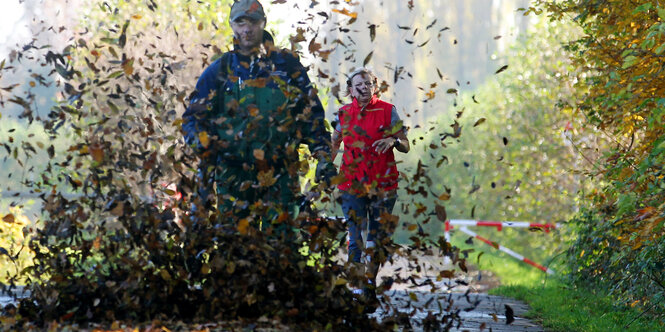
{"x": 498, "y": 224}
{"x": 506, "y": 250}
{"x": 449, "y": 224}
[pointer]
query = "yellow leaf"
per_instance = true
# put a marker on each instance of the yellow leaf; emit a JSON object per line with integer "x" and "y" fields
{"x": 412, "y": 227}
{"x": 413, "y": 296}
{"x": 444, "y": 197}
{"x": 203, "y": 138}
{"x": 205, "y": 269}
{"x": 32, "y": 84}
{"x": 346, "y": 12}
{"x": 165, "y": 274}
{"x": 137, "y": 17}
{"x": 340, "y": 282}
{"x": 243, "y": 224}
{"x": 253, "y": 110}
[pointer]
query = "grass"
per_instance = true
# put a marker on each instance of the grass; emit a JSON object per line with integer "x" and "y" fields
{"x": 560, "y": 307}
{"x": 555, "y": 304}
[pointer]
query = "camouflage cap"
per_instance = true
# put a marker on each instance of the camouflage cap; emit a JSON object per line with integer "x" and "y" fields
{"x": 247, "y": 8}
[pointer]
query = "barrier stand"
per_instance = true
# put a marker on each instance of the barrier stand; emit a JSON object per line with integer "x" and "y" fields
{"x": 499, "y": 225}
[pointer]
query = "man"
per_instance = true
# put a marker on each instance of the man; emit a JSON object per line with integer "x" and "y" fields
{"x": 251, "y": 110}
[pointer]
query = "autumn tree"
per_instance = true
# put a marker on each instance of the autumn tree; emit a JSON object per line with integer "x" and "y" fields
{"x": 620, "y": 246}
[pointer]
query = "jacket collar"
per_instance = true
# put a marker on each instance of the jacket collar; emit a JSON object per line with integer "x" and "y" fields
{"x": 372, "y": 101}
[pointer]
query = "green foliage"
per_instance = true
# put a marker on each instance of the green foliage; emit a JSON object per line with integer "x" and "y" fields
{"x": 620, "y": 241}
{"x": 507, "y": 151}
{"x": 560, "y": 307}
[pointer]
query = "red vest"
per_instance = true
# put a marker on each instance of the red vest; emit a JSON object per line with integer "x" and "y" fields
{"x": 361, "y": 164}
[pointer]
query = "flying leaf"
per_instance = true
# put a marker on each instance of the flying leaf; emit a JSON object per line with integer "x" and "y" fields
{"x": 259, "y": 154}
{"x": 9, "y": 218}
{"x": 203, "y": 138}
{"x": 243, "y": 225}
{"x": 96, "y": 152}
{"x": 479, "y": 122}
{"x": 368, "y": 58}
{"x": 444, "y": 196}
{"x": 440, "y": 212}
{"x": 501, "y": 69}
{"x": 510, "y": 314}
{"x": 372, "y": 31}
{"x": 346, "y": 12}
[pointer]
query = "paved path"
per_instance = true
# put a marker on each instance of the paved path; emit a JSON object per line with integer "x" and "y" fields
{"x": 464, "y": 294}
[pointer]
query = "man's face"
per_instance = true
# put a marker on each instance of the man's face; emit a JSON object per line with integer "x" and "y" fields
{"x": 362, "y": 88}
{"x": 248, "y": 33}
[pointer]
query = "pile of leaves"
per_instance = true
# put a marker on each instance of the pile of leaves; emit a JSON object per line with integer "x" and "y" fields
{"x": 621, "y": 242}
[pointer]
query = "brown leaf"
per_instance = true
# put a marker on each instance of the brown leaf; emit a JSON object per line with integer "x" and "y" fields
{"x": 9, "y": 218}
{"x": 118, "y": 210}
{"x": 368, "y": 58}
{"x": 128, "y": 67}
{"x": 480, "y": 121}
{"x": 259, "y": 154}
{"x": 441, "y": 212}
{"x": 501, "y": 69}
{"x": 510, "y": 315}
{"x": 243, "y": 226}
{"x": 97, "y": 152}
